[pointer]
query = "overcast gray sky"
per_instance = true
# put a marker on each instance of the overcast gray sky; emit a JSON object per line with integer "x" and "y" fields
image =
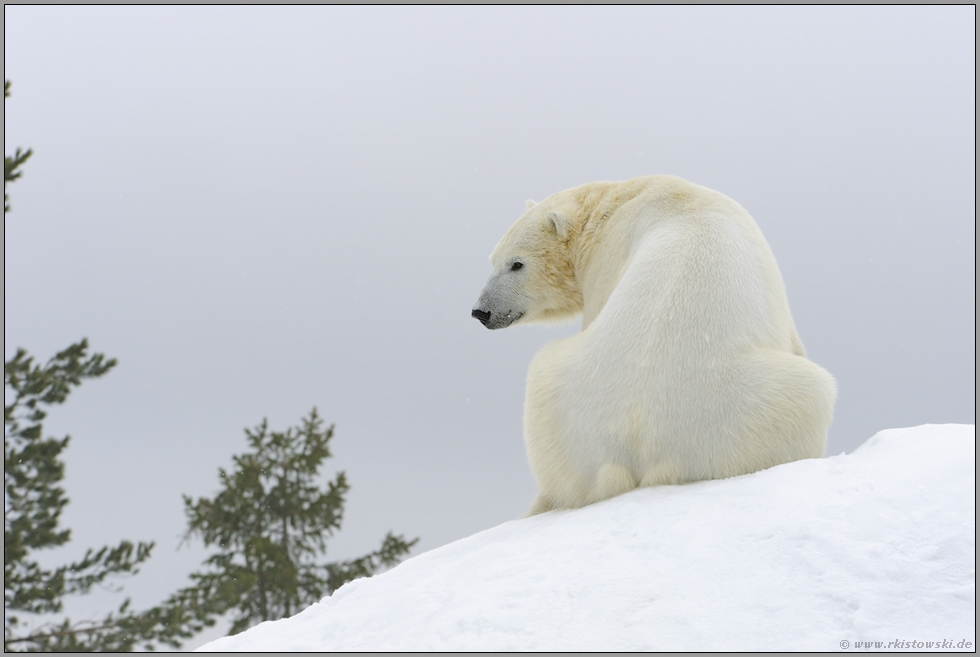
{"x": 258, "y": 210}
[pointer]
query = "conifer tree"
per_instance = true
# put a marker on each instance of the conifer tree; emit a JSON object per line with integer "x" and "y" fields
{"x": 270, "y": 522}
{"x": 33, "y": 502}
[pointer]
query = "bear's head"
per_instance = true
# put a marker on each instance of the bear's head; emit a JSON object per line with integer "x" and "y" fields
{"x": 533, "y": 269}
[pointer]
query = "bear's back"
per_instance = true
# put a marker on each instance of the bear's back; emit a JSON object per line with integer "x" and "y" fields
{"x": 696, "y": 275}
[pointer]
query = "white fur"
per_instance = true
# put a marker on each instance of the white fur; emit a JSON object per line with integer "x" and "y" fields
{"x": 688, "y": 366}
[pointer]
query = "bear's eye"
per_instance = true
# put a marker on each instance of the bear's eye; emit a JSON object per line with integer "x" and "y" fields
{"x": 516, "y": 266}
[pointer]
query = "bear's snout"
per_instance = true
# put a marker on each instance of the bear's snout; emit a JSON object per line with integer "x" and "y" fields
{"x": 481, "y": 315}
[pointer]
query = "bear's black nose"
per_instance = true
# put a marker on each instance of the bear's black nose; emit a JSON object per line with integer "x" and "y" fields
{"x": 484, "y": 317}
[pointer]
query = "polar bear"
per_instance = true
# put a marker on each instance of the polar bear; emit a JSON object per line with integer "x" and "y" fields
{"x": 688, "y": 366}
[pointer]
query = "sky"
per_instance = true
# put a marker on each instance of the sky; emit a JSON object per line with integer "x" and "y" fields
{"x": 259, "y": 210}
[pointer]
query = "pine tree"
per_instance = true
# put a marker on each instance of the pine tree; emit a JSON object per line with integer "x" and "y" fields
{"x": 271, "y": 521}
{"x": 33, "y": 502}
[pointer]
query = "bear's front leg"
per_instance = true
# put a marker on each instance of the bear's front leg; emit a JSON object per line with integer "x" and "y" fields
{"x": 547, "y": 425}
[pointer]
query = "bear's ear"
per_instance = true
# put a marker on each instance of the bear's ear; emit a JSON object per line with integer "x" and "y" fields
{"x": 558, "y": 222}
{"x": 530, "y": 204}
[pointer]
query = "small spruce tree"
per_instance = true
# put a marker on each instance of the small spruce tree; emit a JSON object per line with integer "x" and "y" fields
{"x": 270, "y": 522}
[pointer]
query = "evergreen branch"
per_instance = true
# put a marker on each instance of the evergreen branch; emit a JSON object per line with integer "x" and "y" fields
{"x": 393, "y": 548}
{"x": 12, "y": 164}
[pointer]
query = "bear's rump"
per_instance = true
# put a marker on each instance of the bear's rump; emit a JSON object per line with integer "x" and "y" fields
{"x": 757, "y": 411}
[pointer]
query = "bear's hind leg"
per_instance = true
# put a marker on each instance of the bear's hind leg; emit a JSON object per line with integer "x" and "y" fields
{"x": 791, "y": 409}
{"x": 612, "y": 480}
{"x": 541, "y": 505}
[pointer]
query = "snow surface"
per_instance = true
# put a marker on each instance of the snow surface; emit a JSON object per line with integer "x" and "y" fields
{"x": 878, "y": 545}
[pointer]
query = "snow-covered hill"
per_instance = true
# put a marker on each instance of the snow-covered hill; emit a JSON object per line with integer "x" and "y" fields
{"x": 875, "y": 546}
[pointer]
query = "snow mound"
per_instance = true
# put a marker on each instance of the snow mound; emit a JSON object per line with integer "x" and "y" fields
{"x": 875, "y": 546}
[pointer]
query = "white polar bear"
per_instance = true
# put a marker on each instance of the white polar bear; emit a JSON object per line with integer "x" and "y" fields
{"x": 688, "y": 366}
